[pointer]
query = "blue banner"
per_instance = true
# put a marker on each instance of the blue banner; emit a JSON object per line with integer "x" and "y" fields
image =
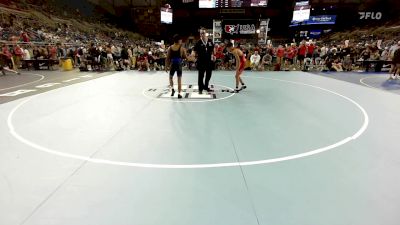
{"x": 317, "y": 20}
{"x": 323, "y": 19}
{"x": 315, "y": 33}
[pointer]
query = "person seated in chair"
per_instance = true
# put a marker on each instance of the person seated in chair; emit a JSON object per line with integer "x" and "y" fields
{"x": 255, "y": 61}
{"x": 266, "y": 61}
{"x": 347, "y": 63}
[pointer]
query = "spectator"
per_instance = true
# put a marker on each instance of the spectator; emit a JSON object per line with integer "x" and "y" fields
{"x": 255, "y": 61}
{"x": 25, "y": 37}
{"x": 27, "y": 54}
{"x": 302, "y": 52}
{"x": 266, "y": 61}
{"x": 151, "y": 59}
{"x": 19, "y": 54}
{"x": 385, "y": 54}
{"x": 324, "y": 51}
{"x": 396, "y": 63}
{"x": 347, "y": 63}
{"x": 280, "y": 53}
{"x": 392, "y": 50}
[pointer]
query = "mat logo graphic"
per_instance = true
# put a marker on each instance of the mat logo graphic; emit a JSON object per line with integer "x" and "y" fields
{"x": 232, "y": 29}
{"x": 190, "y": 92}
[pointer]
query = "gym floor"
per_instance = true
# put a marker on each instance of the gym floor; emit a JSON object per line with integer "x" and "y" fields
{"x": 293, "y": 148}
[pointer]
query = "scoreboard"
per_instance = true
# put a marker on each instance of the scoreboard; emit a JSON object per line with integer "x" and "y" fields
{"x": 232, "y": 3}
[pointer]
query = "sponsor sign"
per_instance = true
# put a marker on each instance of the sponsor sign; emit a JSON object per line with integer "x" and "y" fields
{"x": 317, "y": 20}
{"x": 323, "y": 19}
{"x": 315, "y": 33}
{"x": 217, "y": 31}
{"x": 262, "y": 36}
{"x": 243, "y": 28}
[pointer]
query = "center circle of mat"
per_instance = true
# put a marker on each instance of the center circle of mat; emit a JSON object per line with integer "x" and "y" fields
{"x": 310, "y": 152}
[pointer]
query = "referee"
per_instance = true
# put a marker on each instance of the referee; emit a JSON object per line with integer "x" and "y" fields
{"x": 204, "y": 51}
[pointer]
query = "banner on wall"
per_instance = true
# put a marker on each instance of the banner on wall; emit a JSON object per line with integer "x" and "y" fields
{"x": 322, "y": 19}
{"x": 217, "y": 31}
{"x": 315, "y": 33}
{"x": 239, "y": 28}
{"x": 262, "y": 36}
{"x": 317, "y": 20}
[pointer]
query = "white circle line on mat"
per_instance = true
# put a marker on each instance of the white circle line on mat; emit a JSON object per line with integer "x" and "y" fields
{"x": 377, "y": 76}
{"x": 362, "y": 82}
{"x": 21, "y": 85}
{"x": 356, "y": 135}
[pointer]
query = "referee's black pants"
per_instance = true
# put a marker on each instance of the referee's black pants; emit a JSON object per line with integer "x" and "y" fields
{"x": 203, "y": 84}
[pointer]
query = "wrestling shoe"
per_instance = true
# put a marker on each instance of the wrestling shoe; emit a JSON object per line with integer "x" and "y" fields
{"x": 236, "y": 90}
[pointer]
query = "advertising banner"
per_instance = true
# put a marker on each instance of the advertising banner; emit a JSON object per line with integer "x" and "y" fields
{"x": 322, "y": 19}
{"x": 317, "y": 20}
{"x": 217, "y": 31}
{"x": 315, "y": 33}
{"x": 262, "y": 36}
{"x": 239, "y": 28}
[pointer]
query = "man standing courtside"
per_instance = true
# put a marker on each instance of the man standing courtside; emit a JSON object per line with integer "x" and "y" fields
{"x": 204, "y": 50}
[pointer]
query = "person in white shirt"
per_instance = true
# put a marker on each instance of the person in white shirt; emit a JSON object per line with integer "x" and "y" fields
{"x": 324, "y": 51}
{"x": 255, "y": 60}
{"x": 385, "y": 54}
{"x": 393, "y": 49}
{"x": 391, "y": 54}
{"x": 27, "y": 55}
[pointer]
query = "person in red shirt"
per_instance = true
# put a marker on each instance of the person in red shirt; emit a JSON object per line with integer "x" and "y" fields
{"x": 219, "y": 55}
{"x": 52, "y": 52}
{"x": 6, "y": 61}
{"x": 143, "y": 63}
{"x": 220, "y": 52}
{"x": 280, "y": 53}
{"x": 6, "y": 52}
{"x": 302, "y": 52}
{"x": 310, "y": 50}
{"x": 290, "y": 54}
{"x": 25, "y": 37}
{"x": 19, "y": 54}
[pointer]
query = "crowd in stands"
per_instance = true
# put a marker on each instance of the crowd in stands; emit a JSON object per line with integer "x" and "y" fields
{"x": 147, "y": 55}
